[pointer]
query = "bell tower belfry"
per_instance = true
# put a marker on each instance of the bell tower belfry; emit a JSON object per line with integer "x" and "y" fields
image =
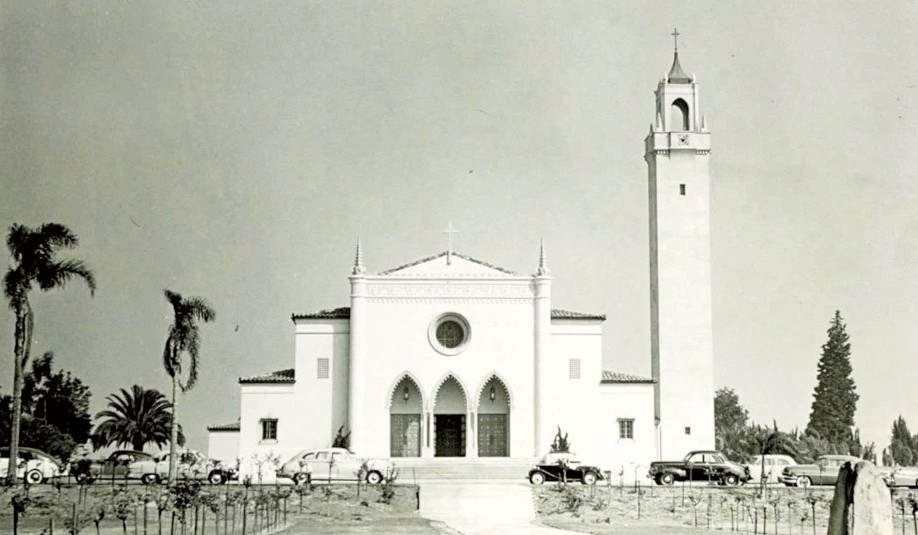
{"x": 677, "y": 151}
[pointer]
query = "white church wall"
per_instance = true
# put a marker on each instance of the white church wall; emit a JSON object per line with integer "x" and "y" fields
{"x": 571, "y": 402}
{"x": 501, "y": 342}
{"x": 321, "y": 401}
{"x": 632, "y": 456}
{"x": 269, "y": 401}
{"x": 223, "y": 446}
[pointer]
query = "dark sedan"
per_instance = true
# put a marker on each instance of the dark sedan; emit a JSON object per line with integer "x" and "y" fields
{"x": 563, "y": 467}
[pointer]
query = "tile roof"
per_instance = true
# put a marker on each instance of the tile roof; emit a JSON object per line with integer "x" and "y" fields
{"x": 558, "y": 314}
{"x": 276, "y": 377}
{"x": 454, "y": 253}
{"x": 340, "y": 313}
{"x": 609, "y": 377}
{"x": 224, "y": 427}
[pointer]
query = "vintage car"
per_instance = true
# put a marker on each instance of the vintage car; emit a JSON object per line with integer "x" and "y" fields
{"x": 900, "y": 476}
{"x": 702, "y": 465}
{"x": 191, "y": 465}
{"x": 34, "y": 465}
{"x": 773, "y": 466}
{"x": 114, "y": 466}
{"x": 335, "y": 464}
{"x": 563, "y": 467}
{"x": 823, "y": 472}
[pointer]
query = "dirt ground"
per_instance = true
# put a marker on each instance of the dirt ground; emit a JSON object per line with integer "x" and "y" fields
{"x": 325, "y": 510}
{"x": 693, "y": 510}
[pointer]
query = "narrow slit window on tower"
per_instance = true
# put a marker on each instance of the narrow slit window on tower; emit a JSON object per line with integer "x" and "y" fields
{"x": 681, "y": 189}
{"x": 322, "y": 371}
{"x": 688, "y": 430}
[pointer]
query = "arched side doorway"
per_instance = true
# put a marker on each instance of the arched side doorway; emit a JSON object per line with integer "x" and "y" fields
{"x": 450, "y": 409}
{"x": 405, "y": 407}
{"x": 494, "y": 419}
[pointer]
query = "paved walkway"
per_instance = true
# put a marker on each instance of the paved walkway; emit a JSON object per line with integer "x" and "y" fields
{"x": 483, "y": 507}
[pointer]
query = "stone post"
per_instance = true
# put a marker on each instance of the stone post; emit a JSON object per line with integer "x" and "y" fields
{"x": 862, "y": 504}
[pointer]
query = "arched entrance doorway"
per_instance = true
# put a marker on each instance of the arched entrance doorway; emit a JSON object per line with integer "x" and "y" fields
{"x": 450, "y": 408}
{"x": 405, "y": 407}
{"x": 494, "y": 419}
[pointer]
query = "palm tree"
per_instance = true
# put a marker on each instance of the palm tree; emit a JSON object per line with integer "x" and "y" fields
{"x": 136, "y": 418}
{"x": 183, "y": 338}
{"x": 33, "y": 256}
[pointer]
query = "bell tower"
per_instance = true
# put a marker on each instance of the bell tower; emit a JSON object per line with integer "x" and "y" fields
{"x": 677, "y": 149}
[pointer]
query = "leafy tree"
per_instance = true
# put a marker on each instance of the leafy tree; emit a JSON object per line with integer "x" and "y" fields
{"x": 834, "y": 399}
{"x": 903, "y": 447}
{"x": 184, "y": 338}
{"x": 55, "y": 410}
{"x": 730, "y": 430}
{"x": 135, "y": 418}
{"x": 33, "y": 253}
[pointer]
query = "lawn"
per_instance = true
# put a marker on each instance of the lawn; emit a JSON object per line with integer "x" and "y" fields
{"x": 692, "y": 510}
{"x": 213, "y": 510}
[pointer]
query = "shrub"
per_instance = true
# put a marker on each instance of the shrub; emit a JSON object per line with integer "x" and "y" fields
{"x": 387, "y": 487}
{"x": 560, "y": 444}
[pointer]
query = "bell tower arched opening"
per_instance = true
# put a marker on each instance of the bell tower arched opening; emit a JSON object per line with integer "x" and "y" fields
{"x": 679, "y": 115}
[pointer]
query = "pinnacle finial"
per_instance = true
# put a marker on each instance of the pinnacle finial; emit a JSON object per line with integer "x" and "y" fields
{"x": 358, "y": 260}
{"x": 543, "y": 270}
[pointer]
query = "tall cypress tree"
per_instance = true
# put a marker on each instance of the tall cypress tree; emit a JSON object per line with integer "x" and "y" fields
{"x": 835, "y": 399}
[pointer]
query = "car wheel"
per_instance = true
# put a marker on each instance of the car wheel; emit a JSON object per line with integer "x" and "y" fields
{"x": 301, "y": 478}
{"x": 804, "y": 481}
{"x": 374, "y": 478}
{"x": 149, "y": 479}
{"x": 589, "y": 478}
{"x": 34, "y": 477}
{"x": 216, "y": 478}
{"x": 537, "y": 478}
{"x": 730, "y": 480}
{"x": 667, "y": 479}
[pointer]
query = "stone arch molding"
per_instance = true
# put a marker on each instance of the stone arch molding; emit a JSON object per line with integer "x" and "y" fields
{"x": 494, "y": 375}
{"x": 432, "y": 399}
{"x": 398, "y": 379}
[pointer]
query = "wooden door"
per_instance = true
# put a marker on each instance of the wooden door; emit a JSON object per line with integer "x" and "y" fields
{"x": 492, "y": 435}
{"x": 405, "y": 435}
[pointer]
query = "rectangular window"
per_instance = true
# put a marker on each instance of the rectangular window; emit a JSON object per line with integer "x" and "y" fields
{"x": 688, "y": 430}
{"x": 626, "y": 428}
{"x": 269, "y": 429}
{"x": 574, "y": 368}
{"x": 323, "y": 369}
{"x": 681, "y": 189}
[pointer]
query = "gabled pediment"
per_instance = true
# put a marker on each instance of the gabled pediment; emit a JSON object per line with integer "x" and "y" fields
{"x": 459, "y": 265}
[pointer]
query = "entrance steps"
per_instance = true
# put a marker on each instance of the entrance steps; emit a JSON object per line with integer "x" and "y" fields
{"x": 503, "y": 468}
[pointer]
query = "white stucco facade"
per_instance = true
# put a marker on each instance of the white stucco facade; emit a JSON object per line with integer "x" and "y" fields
{"x": 452, "y": 357}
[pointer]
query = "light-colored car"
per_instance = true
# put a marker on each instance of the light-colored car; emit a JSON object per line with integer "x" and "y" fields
{"x": 191, "y": 465}
{"x": 900, "y": 476}
{"x": 774, "y": 466}
{"x": 335, "y": 464}
{"x": 823, "y": 472}
{"x": 35, "y": 466}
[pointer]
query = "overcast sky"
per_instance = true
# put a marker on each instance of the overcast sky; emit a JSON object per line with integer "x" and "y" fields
{"x": 234, "y": 150}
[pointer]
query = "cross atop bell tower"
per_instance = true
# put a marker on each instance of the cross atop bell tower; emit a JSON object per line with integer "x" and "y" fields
{"x": 677, "y": 149}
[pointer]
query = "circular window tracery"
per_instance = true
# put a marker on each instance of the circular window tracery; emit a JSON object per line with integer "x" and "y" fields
{"x": 449, "y": 333}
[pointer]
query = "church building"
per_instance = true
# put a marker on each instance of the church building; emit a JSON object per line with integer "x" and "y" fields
{"x": 454, "y": 357}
